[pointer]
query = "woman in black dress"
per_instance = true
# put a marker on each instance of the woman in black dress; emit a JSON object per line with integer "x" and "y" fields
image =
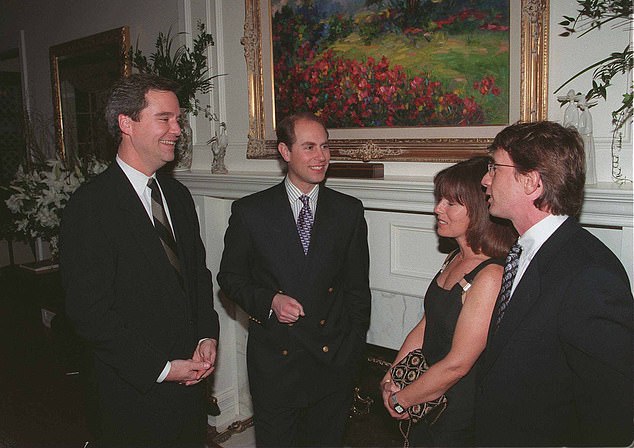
{"x": 458, "y": 307}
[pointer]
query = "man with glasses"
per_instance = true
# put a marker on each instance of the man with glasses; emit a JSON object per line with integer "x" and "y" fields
{"x": 557, "y": 369}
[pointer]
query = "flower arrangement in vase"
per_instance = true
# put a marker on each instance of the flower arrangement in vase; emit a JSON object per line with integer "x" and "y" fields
{"x": 40, "y": 193}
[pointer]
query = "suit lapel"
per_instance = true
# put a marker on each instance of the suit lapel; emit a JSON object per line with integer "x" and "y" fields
{"x": 142, "y": 229}
{"x": 324, "y": 225}
{"x": 284, "y": 225}
{"x": 527, "y": 292}
{"x": 283, "y": 221}
{"x": 524, "y": 297}
{"x": 180, "y": 225}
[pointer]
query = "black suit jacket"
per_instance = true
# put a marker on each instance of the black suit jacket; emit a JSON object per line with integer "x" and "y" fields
{"x": 559, "y": 369}
{"x": 124, "y": 298}
{"x": 263, "y": 255}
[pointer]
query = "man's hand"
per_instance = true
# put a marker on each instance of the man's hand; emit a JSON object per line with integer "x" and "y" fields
{"x": 287, "y": 309}
{"x": 205, "y": 352}
{"x": 187, "y": 371}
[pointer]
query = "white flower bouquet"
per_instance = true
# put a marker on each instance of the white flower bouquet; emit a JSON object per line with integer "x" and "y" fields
{"x": 40, "y": 194}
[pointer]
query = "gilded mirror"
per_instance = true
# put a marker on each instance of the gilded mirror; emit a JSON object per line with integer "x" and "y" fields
{"x": 82, "y": 72}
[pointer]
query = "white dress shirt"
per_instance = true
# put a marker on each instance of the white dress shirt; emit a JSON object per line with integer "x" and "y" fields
{"x": 532, "y": 241}
{"x": 296, "y": 204}
{"x": 139, "y": 183}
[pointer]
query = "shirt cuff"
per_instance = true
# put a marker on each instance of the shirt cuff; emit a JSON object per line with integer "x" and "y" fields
{"x": 164, "y": 373}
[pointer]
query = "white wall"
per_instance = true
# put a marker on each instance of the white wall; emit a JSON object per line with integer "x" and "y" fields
{"x": 569, "y": 56}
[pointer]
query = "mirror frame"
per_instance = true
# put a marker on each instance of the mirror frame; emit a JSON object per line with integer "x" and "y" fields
{"x": 118, "y": 36}
{"x": 460, "y": 144}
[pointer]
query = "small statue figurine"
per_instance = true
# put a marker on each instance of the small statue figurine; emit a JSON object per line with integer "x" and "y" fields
{"x": 582, "y": 121}
{"x": 571, "y": 114}
{"x": 219, "y": 145}
{"x": 585, "y": 129}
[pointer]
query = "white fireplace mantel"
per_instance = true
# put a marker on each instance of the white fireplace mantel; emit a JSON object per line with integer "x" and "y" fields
{"x": 605, "y": 204}
{"x": 404, "y": 256}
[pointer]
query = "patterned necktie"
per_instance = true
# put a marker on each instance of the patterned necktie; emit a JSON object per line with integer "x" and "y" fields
{"x": 510, "y": 270}
{"x": 305, "y": 223}
{"x": 163, "y": 228}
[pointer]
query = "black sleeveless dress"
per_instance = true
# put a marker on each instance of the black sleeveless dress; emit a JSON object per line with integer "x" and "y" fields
{"x": 442, "y": 308}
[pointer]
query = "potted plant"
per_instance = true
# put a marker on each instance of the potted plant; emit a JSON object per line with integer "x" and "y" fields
{"x": 188, "y": 67}
{"x": 38, "y": 195}
{"x": 592, "y": 15}
{"x": 34, "y": 199}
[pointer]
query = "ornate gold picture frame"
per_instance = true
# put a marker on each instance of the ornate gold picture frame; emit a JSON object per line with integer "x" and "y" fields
{"x": 529, "y": 79}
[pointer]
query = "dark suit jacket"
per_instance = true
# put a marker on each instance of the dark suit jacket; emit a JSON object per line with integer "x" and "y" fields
{"x": 124, "y": 298}
{"x": 263, "y": 255}
{"x": 559, "y": 369}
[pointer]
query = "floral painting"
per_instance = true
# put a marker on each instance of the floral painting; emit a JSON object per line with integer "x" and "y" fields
{"x": 392, "y": 63}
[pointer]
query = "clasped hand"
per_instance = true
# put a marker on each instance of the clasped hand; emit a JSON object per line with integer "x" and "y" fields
{"x": 287, "y": 309}
{"x": 194, "y": 370}
{"x": 387, "y": 389}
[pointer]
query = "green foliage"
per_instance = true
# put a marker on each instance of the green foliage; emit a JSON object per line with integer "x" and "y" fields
{"x": 592, "y": 15}
{"x": 338, "y": 27}
{"x": 186, "y": 66}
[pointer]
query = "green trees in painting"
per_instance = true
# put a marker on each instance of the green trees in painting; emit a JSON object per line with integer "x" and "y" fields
{"x": 392, "y": 62}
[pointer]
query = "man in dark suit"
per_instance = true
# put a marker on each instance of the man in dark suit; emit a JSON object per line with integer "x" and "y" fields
{"x": 137, "y": 287}
{"x": 306, "y": 293}
{"x": 557, "y": 369}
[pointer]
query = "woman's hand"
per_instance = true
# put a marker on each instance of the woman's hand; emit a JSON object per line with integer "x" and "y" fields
{"x": 387, "y": 389}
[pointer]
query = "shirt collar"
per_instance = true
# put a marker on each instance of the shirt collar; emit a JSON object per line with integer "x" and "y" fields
{"x": 294, "y": 193}
{"x": 537, "y": 235}
{"x": 136, "y": 177}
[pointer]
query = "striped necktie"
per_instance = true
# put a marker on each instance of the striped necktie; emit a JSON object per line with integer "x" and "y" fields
{"x": 163, "y": 228}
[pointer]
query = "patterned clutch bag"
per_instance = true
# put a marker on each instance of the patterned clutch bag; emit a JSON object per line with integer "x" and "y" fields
{"x": 407, "y": 371}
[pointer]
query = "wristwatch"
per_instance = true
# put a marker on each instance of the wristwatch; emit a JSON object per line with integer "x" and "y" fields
{"x": 397, "y": 407}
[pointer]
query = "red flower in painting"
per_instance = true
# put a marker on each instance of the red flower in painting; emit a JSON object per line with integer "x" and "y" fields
{"x": 486, "y": 86}
{"x": 352, "y": 93}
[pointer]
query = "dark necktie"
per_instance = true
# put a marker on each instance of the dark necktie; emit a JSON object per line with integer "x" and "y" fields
{"x": 163, "y": 228}
{"x": 305, "y": 223}
{"x": 510, "y": 270}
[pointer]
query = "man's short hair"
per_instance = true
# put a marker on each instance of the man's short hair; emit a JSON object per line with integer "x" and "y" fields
{"x": 285, "y": 130}
{"x": 557, "y": 154}
{"x": 127, "y": 97}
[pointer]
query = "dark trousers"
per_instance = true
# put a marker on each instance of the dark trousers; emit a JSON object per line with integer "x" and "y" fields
{"x": 318, "y": 423}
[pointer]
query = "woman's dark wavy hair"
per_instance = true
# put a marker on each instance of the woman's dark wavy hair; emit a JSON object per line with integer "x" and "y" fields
{"x": 557, "y": 154}
{"x": 461, "y": 183}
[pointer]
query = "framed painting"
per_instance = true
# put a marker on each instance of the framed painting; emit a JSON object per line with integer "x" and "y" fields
{"x": 405, "y": 80}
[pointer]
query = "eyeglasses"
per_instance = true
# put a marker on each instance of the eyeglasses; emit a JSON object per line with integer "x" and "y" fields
{"x": 492, "y": 166}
